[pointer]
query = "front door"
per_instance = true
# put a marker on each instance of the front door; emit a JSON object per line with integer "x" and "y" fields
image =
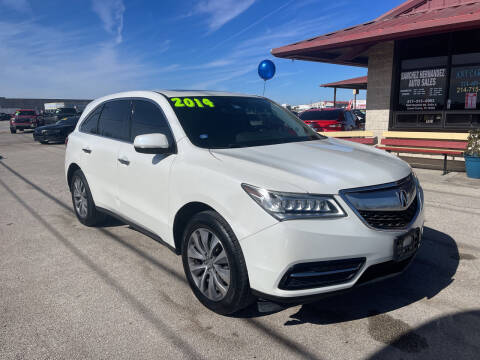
{"x": 143, "y": 179}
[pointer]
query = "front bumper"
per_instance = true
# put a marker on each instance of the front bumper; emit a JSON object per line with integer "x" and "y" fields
{"x": 22, "y": 126}
{"x": 272, "y": 252}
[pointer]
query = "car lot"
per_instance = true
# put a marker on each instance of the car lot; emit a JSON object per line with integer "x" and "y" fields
{"x": 68, "y": 291}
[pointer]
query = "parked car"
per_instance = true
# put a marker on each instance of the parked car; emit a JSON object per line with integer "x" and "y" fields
{"x": 25, "y": 119}
{"x": 57, "y": 132}
{"x": 256, "y": 202}
{"x": 332, "y": 119}
{"x": 59, "y": 114}
{"x": 4, "y": 116}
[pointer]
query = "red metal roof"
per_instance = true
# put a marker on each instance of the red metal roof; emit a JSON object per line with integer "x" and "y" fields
{"x": 413, "y": 18}
{"x": 355, "y": 83}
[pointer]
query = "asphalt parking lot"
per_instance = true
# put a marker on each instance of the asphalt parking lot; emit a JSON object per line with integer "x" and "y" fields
{"x": 72, "y": 292}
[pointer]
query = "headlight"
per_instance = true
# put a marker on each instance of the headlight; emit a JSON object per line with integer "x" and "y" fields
{"x": 288, "y": 206}
{"x": 419, "y": 188}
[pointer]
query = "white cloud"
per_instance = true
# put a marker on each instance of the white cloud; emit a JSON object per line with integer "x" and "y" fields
{"x": 110, "y": 13}
{"x": 17, "y": 5}
{"x": 255, "y": 23}
{"x": 219, "y": 12}
{"x": 41, "y": 61}
{"x": 162, "y": 47}
{"x": 240, "y": 62}
{"x": 222, "y": 77}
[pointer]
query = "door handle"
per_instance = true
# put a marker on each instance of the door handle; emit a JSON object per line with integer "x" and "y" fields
{"x": 123, "y": 160}
{"x": 87, "y": 149}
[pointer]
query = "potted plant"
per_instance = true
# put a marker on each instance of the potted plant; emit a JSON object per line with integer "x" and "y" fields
{"x": 472, "y": 155}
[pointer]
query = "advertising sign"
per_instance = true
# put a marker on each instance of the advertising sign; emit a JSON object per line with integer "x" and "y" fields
{"x": 422, "y": 90}
{"x": 464, "y": 87}
{"x": 470, "y": 100}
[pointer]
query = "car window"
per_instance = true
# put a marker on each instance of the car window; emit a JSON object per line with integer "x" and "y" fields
{"x": 114, "y": 120}
{"x": 65, "y": 111}
{"x": 25, "y": 113}
{"x": 90, "y": 125}
{"x": 147, "y": 118}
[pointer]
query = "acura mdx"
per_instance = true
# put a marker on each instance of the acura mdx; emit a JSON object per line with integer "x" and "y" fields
{"x": 256, "y": 202}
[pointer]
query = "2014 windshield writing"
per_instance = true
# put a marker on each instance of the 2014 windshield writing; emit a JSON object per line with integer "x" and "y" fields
{"x": 191, "y": 103}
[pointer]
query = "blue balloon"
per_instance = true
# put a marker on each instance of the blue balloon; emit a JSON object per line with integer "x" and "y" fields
{"x": 266, "y": 69}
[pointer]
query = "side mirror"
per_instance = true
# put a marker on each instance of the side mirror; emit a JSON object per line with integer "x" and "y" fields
{"x": 152, "y": 144}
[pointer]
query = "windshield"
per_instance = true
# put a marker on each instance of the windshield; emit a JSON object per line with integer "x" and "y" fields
{"x": 215, "y": 122}
{"x": 65, "y": 111}
{"x": 320, "y": 115}
{"x": 25, "y": 113}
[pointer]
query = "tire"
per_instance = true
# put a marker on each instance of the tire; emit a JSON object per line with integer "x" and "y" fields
{"x": 43, "y": 142}
{"x": 13, "y": 131}
{"x": 236, "y": 294}
{"x": 86, "y": 212}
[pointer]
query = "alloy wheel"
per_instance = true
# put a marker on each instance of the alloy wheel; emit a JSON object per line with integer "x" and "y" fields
{"x": 80, "y": 197}
{"x": 208, "y": 264}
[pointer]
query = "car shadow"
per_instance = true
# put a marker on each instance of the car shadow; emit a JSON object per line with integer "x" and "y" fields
{"x": 454, "y": 336}
{"x": 110, "y": 222}
{"x": 431, "y": 271}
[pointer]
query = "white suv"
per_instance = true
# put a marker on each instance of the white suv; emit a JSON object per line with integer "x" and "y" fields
{"x": 255, "y": 201}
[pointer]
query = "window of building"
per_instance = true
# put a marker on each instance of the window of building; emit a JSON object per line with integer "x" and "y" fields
{"x": 464, "y": 88}
{"x": 438, "y": 82}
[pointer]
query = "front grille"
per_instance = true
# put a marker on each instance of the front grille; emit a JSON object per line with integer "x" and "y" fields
{"x": 318, "y": 274}
{"x": 386, "y": 207}
{"x": 390, "y": 219}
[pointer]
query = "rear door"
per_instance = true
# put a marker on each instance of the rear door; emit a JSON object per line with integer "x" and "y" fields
{"x": 100, "y": 150}
{"x": 143, "y": 179}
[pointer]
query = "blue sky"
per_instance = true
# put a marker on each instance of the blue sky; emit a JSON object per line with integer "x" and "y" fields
{"x": 90, "y": 48}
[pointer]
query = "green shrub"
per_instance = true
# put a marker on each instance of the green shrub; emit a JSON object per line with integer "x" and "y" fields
{"x": 473, "y": 146}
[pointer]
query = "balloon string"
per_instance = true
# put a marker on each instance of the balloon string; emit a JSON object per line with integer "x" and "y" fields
{"x": 264, "y": 83}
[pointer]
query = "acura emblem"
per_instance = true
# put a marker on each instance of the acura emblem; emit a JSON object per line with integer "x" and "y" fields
{"x": 403, "y": 197}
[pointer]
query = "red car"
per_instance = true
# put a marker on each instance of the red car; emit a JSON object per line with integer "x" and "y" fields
{"x": 25, "y": 119}
{"x": 331, "y": 119}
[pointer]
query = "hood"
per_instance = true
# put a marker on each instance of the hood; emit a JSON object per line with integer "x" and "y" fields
{"x": 321, "y": 166}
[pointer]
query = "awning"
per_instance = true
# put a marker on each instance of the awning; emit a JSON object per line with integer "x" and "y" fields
{"x": 359, "y": 83}
{"x": 414, "y": 18}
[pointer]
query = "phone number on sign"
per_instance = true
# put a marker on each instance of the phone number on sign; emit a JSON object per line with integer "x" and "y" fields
{"x": 468, "y": 89}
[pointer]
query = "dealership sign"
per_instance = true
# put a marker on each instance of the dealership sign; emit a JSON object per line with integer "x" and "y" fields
{"x": 423, "y": 89}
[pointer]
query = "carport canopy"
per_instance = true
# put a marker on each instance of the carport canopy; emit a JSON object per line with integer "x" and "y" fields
{"x": 413, "y": 18}
{"x": 359, "y": 83}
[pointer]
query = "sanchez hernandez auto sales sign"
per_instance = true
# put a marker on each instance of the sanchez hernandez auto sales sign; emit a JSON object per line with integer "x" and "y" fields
{"x": 423, "y": 89}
